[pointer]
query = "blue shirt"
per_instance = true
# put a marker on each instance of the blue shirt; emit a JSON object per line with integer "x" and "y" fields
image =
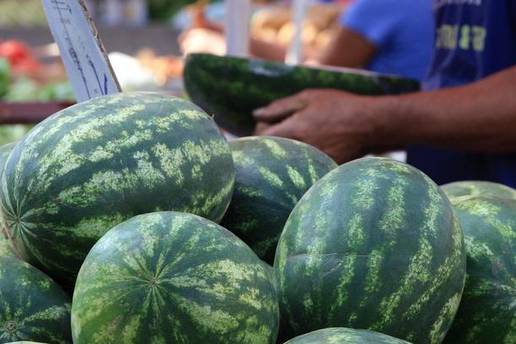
{"x": 401, "y": 30}
{"x": 475, "y": 38}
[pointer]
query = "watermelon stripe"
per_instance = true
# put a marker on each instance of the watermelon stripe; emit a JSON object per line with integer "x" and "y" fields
{"x": 32, "y": 306}
{"x": 488, "y": 309}
{"x": 96, "y": 164}
{"x": 381, "y": 261}
{"x": 272, "y": 174}
{"x": 345, "y": 335}
{"x": 172, "y": 277}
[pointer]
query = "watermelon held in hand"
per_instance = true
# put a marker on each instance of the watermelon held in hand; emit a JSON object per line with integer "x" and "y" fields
{"x": 32, "y": 306}
{"x": 373, "y": 245}
{"x": 487, "y": 313}
{"x": 173, "y": 277}
{"x": 342, "y": 335}
{"x": 272, "y": 174}
{"x": 231, "y": 88}
{"x": 467, "y": 189}
{"x": 98, "y": 163}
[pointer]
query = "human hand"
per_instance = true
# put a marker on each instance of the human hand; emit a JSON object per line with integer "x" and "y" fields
{"x": 338, "y": 123}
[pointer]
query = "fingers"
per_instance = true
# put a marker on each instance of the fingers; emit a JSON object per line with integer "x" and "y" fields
{"x": 261, "y": 127}
{"x": 280, "y": 109}
{"x": 288, "y": 128}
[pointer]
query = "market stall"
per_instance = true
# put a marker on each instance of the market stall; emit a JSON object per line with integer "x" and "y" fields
{"x": 139, "y": 204}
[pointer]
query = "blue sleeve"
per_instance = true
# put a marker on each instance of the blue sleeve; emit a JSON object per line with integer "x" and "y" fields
{"x": 373, "y": 19}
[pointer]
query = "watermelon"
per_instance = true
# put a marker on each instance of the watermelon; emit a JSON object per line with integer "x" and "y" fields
{"x": 170, "y": 277}
{"x": 101, "y": 162}
{"x": 342, "y": 335}
{"x": 5, "y": 247}
{"x": 231, "y": 87}
{"x": 373, "y": 245}
{"x": 272, "y": 174}
{"x": 467, "y": 189}
{"x": 32, "y": 306}
{"x": 487, "y": 313}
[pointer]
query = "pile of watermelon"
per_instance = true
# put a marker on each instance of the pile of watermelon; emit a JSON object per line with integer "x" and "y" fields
{"x": 131, "y": 219}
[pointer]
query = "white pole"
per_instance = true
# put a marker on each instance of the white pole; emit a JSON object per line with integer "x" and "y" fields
{"x": 238, "y": 13}
{"x": 295, "y": 51}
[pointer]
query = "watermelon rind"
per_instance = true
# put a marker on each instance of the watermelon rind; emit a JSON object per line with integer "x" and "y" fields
{"x": 32, "y": 306}
{"x": 467, "y": 189}
{"x": 487, "y": 313}
{"x": 98, "y": 163}
{"x": 374, "y": 245}
{"x": 272, "y": 174}
{"x": 230, "y": 88}
{"x": 341, "y": 335}
{"x": 171, "y": 277}
{"x": 5, "y": 246}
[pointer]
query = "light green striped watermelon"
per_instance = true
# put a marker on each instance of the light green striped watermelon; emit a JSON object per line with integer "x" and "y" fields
{"x": 101, "y": 162}
{"x": 487, "y": 313}
{"x": 467, "y": 189}
{"x": 5, "y": 247}
{"x": 272, "y": 174}
{"x": 32, "y": 306}
{"x": 373, "y": 245}
{"x": 173, "y": 277}
{"x": 342, "y": 335}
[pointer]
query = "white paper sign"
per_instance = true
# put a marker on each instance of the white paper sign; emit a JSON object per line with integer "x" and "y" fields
{"x": 82, "y": 52}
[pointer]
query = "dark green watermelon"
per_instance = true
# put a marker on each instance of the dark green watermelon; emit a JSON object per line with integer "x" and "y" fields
{"x": 101, "y": 162}
{"x": 173, "y": 277}
{"x": 230, "y": 88}
{"x": 272, "y": 174}
{"x": 32, "y": 306}
{"x": 342, "y": 335}
{"x": 487, "y": 313}
{"x": 466, "y": 189}
{"x": 373, "y": 245}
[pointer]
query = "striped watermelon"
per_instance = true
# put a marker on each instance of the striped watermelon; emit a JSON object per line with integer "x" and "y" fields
{"x": 173, "y": 277}
{"x": 5, "y": 150}
{"x": 468, "y": 189}
{"x": 373, "y": 245}
{"x": 32, "y": 306}
{"x": 272, "y": 174}
{"x": 98, "y": 163}
{"x": 5, "y": 247}
{"x": 342, "y": 335}
{"x": 487, "y": 313}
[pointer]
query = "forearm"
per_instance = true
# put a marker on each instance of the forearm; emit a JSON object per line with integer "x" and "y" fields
{"x": 478, "y": 117}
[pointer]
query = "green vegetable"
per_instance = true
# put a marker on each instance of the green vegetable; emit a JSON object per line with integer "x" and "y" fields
{"x": 5, "y": 247}
{"x": 96, "y": 164}
{"x": 231, "y": 88}
{"x": 32, "y": 306}
{"x": 468, "y": 189}
{"x": 272, "y": 174}
{"x": 341, "y": 335}
{"x": 373, "y": 245}
{"x": 172, "y": 277}
{"x": 487, "y": 313}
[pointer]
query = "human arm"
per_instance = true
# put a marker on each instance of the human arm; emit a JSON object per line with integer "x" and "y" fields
{"x": 479, "y": 117}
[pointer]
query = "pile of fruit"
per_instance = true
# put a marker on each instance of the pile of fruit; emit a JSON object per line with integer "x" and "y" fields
{"x": 130, "y": 219}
